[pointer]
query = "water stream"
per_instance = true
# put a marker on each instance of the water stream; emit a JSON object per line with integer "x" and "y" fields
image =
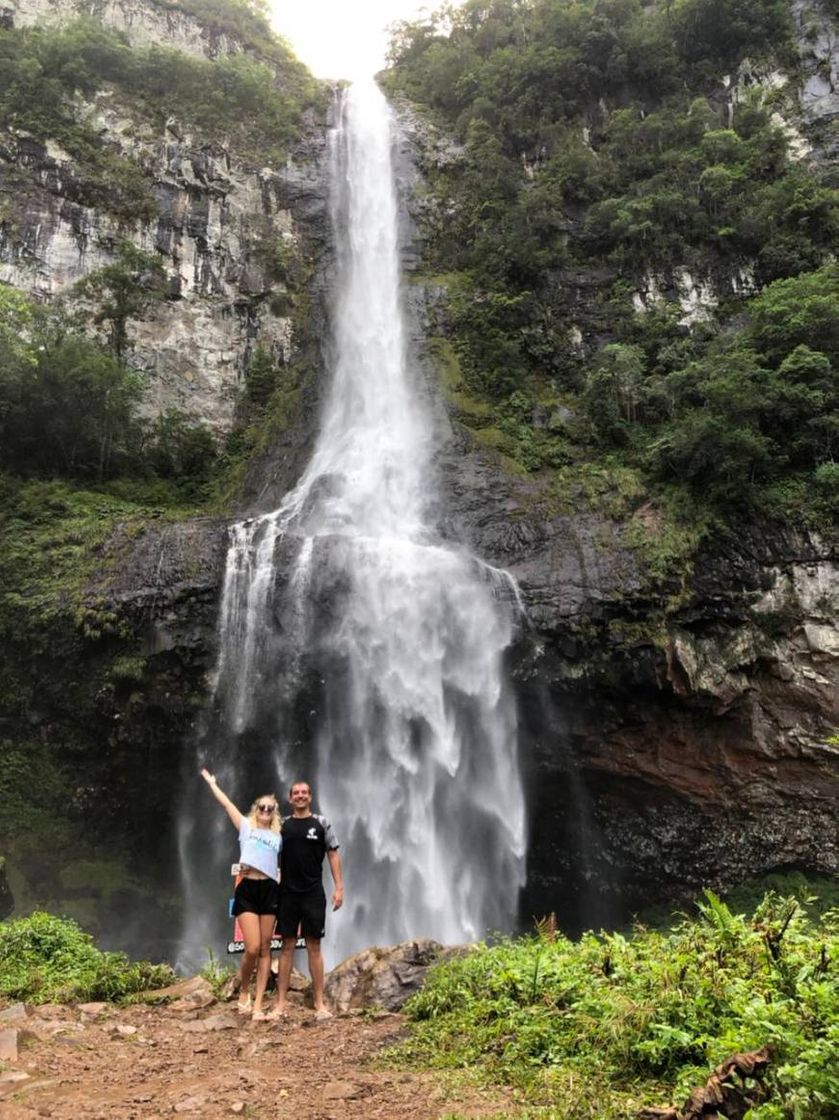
{"x": 358, "y": 649}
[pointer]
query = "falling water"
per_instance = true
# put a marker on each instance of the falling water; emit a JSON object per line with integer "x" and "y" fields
{"x": 411, "y": 739}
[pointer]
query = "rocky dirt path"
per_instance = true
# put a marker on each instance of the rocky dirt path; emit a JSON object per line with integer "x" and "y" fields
{"x": 198, "y": 1057}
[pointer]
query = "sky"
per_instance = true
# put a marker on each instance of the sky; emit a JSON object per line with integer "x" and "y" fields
{"x": 341, "y": 38}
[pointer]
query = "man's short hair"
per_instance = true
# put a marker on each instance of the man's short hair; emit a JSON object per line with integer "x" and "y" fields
{"x": 300, "y": 782}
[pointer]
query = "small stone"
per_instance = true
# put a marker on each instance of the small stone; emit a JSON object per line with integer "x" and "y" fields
{"x": 53, "y": 1027}
{"x": 93, "y": 1009}
{"x": 211, "y": 1023}
{"x": 195, "y": 1001}
{"x": 126, "y": 1029}
{"x": 340, "y": 1091}
{"x": 9, "y": 1040}
{"x": 189, "y": 1104}
{"x": 201, "y": 1050}
{"x": 180, "y": 989}
{"x": 13, "y": 1014}
{"x": 12, "y": 1076}
{"x": 298, "y": 982}
{"x": 184, "y": 1012}
{"x": 237, "y": 1107}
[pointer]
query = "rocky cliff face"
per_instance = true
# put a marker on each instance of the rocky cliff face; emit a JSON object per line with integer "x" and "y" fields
{"x": 677, "y": 730}
{"x": 215, "y": 217}
{"x": 672, "y": 738}
{"x": 145, "y": 22}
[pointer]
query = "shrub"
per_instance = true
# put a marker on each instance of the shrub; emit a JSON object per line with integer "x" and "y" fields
{"x": 45, "y": 959}
{"x": 595, "y": 1028}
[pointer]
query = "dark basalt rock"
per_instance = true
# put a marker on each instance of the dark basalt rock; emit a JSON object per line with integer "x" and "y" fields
{"x": 7, "y": 902}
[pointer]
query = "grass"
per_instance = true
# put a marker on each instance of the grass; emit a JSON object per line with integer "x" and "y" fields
{"x": 604, "y": 1026}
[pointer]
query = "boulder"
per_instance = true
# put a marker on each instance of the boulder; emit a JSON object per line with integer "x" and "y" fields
{"x": 195, "y": 989}
{"x": 382, "y": 977}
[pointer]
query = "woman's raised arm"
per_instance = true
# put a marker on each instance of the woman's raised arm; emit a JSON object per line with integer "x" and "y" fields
{"x": 223, "y": 799}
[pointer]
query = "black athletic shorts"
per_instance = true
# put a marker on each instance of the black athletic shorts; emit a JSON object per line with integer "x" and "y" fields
{"x": 256, "y": 896}
{"x": 305, "y": 910}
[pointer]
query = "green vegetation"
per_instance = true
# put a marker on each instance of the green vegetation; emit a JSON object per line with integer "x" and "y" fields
{"x": 246, "y": 21}
{"x": 251, "y": 104}
{"x": 68, "y": 402}
{"x": 44, "y": 959}
{"x": 605, "y": 178}
{"x": 604, "y": 1026}
{"x": 123, "y": 291}
{"x": 216, "y": 974}
{"x": 83, "y": 704}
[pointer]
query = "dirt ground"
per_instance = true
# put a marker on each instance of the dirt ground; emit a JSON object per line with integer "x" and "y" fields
{"x": 199, "y": 1057}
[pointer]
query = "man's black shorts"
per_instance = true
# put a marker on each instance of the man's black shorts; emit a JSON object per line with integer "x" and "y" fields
{"x": 306, "y": 910}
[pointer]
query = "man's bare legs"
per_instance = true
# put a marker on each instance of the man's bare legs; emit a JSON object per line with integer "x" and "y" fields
{"x": 316, "y": 971}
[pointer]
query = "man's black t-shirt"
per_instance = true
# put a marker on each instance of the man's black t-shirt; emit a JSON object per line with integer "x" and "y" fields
{"x": 306, "y": 840}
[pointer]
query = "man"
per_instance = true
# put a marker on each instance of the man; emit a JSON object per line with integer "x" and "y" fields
{"x": 307, "y": 838}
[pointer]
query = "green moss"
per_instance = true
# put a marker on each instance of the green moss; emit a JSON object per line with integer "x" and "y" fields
{"x": 493, "y": 439}
{"x": 51, "y": 538}
{"x": 469, "y": 408}
{"x": 630, "y": 633}
{"x": 130, "y": 667}
{"x": 607, "y": 487}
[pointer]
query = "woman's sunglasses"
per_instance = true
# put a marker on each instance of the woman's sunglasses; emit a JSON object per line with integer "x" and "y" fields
{"x": 267, "y": 808}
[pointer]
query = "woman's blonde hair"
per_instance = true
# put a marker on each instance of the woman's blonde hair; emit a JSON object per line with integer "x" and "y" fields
{"x": 276, "y": 820}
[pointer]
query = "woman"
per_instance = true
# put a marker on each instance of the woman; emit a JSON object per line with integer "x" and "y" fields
{"x": 257, "y": 893}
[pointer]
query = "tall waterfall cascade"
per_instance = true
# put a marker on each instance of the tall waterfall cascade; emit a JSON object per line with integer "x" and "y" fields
{"x": 358, "y": 649}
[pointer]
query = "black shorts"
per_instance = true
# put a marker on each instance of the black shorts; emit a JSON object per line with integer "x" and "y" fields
{"x": 256, "y": 896}
{"x": 306, "y": 911}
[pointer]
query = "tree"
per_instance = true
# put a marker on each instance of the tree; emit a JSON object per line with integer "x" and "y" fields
{"x": 70, "y": 411}
{"x": 613, "y": 391}
{"x": 123, "y": 291}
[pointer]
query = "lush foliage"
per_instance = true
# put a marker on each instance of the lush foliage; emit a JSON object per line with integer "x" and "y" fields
{"x": 44, "y": 959}
{"x": 253, "y": 106}
{"x": 606, "y": 231}
{"x": 600, "y": 1027}
{"x": 68, "y": 402}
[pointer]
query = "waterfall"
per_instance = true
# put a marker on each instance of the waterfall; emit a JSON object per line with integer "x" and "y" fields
{"x": 358, "y": 649}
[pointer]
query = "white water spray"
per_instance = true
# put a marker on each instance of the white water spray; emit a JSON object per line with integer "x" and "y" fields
{"x": 413, "y": 746}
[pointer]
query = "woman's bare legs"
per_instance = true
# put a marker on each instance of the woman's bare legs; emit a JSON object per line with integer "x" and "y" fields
{"x": 263, "y": 968}
{"x": 252, "y": 934}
